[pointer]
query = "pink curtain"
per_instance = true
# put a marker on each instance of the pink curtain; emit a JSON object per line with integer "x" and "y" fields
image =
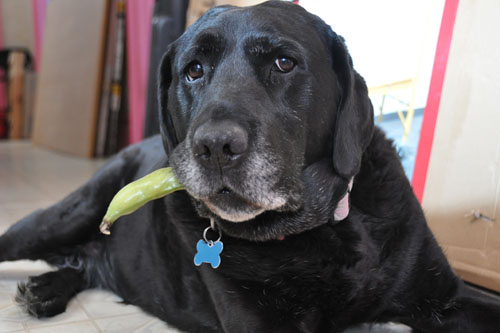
{"x": 138, "y": 22}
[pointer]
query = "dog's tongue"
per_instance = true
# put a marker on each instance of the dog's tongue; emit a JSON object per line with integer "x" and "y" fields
{"x": 342, "y": 209}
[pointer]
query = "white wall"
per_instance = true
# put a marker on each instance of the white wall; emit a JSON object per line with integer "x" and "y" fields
{"x": 389, "y": 40}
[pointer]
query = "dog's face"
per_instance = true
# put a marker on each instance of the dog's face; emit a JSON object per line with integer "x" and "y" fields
{"x": 251, "y": 96}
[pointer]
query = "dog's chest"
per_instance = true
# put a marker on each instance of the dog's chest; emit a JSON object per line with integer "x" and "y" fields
{"x": 291, "y": 277}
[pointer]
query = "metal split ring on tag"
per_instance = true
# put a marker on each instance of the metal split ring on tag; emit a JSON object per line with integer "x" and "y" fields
{"x": 211, "y": 226}
{"x": 208, "y": 251}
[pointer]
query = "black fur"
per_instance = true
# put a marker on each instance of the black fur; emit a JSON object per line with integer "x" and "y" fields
{"x": 291, "y": 267}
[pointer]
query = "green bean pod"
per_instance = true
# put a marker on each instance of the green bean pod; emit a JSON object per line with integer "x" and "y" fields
{"x": 133, "y": 196}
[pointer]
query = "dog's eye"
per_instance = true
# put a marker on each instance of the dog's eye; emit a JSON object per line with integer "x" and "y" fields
{"x": 285, "y": 64}
{"x": 194, "y": 71}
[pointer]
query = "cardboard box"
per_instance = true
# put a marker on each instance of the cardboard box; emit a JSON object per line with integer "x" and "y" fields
{"x": 464, "y": 168}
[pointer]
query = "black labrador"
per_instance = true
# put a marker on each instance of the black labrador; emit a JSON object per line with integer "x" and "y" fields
{"x": 271, "y": 131}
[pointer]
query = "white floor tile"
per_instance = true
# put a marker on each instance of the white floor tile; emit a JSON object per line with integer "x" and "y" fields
{"x": 13, "y": 314}
{"x": 101, "y": 304}
{"x": 6, "y": 298}
{"x": 10, "y": 326}
{"x": 157, "y": 326}
{"x": 127, "y": 323}
{"x": 81, "y": 327}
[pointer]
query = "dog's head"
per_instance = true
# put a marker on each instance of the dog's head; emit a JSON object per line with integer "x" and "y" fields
{"x": 249, "y": 97}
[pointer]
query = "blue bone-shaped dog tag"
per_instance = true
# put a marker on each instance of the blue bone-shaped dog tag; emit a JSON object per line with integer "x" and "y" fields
{"x": 208, "y": 253}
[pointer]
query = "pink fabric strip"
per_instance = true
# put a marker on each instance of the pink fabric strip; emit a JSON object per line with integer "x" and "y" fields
{"x": 3, "y": 97}
{"x": 39, "y": 13}
{"x": 138, "y": 26}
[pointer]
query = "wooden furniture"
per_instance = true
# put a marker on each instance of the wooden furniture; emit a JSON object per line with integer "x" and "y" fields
{"x": 16, "y": 93}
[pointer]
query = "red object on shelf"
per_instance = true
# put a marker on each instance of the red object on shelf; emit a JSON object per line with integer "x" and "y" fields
{"x": 434, "y": 97}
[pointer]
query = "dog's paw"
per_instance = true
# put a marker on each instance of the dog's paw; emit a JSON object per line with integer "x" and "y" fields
{"x": 45, "y": 295}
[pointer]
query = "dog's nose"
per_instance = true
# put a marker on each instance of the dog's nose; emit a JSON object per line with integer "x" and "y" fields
{"x": 220, "y": 144}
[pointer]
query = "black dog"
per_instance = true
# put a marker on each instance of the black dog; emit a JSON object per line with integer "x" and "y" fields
{"x": 265, "y": 122}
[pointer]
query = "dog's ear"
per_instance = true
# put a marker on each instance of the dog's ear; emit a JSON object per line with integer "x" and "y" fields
{"x": 354, "y": 120}
{"x": 167, "y": 129}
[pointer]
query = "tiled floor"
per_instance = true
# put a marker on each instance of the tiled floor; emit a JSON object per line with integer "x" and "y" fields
{"x": 32, "y": 178}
